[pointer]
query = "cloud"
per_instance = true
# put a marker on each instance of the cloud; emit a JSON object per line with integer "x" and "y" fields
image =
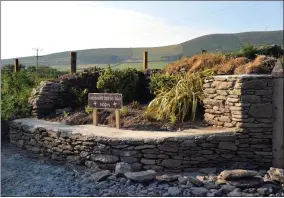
{"x": 63, "y": 26}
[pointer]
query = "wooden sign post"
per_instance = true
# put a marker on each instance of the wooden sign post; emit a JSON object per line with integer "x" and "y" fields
{"x": 105, "y": 101}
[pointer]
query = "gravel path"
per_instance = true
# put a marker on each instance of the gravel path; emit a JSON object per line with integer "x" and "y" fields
{"x": 23, "y": 174}
{"x": 26, "y": 174}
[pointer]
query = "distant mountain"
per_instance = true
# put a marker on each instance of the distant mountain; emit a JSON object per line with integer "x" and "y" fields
{"x": 211, "y": 43}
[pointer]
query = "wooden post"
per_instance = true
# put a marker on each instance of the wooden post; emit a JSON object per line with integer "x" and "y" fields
{"x": 145, "y": 60}
{"x": 73, "y": 57}
{"x": 117, "y": 118}
{"x": 16, "y": 65}
{"x": 95, "y": 117}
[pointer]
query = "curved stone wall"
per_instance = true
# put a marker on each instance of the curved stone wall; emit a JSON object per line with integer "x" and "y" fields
{"x": 161, "y": 151}
{"x": 57, "y": 94}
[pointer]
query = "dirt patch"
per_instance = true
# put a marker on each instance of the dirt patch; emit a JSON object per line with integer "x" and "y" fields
{"x": 131, "y": 118}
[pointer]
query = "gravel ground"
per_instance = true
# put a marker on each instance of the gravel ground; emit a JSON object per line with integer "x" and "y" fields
{"x": 26, "y": 174}
{"x": 23, "y": 174}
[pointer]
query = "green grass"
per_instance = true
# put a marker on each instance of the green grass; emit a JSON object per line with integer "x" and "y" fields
{"x": 211, "y": 43}
{"x": 151, "y": 65}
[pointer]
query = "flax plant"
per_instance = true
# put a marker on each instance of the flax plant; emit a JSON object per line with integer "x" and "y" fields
{"x": 182, "y": 99}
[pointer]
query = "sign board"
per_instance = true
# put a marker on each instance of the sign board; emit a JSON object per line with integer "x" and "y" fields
{"x": 105, "y": 100}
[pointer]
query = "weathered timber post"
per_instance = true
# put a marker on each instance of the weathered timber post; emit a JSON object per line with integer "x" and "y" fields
{"x": 73, "y": 57}
{"x": 16, "y": 65}
{"x": 117, "y": 118}
{"x": 278, "y": 116}
{"x": 95, "y": 116}
{"x": 145, "y": 60}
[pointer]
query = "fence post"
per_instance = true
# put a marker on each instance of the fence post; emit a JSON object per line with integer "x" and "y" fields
{"x": 145, "y": 60}
{"x": 16, "y": 65}
{"x": 73, "y": 57}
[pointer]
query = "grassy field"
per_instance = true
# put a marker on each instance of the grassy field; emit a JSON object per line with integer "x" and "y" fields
{"x": 211, "y": 43}
{"x": 151, "y": 65}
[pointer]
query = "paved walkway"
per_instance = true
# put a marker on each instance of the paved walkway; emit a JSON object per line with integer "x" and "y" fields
{"x": 90, "y": 130}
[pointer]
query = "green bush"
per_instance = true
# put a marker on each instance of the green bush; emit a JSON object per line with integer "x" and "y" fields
{"x": 80, "y": 95}
{"x": 44, "y": 72}
{"x": 124, "y": 111}
{"x": 15, "y": 91}
{"x": 161, "y": 82}
{"x": 88, "y": 109}
{"x": 248, "y": 51}
{"x": 135, "y": 105}
{"x": 123, "y": 81}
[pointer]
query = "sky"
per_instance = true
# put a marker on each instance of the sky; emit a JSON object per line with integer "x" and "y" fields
{"x": 56, "y": 26}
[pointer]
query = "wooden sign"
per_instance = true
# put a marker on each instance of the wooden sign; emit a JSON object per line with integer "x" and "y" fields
{"x": 105, "y": 100}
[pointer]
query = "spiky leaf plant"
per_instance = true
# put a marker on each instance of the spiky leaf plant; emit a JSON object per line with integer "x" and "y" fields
{"x": 180, "y": 99}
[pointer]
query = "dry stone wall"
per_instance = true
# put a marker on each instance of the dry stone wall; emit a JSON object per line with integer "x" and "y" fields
{"x": 244, "y": 102}
{"x": 48, "y": 97}
{"x": 224, "y": 149}
{"x": 57, "y": 94}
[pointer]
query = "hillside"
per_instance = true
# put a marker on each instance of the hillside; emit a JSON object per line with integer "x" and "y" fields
{"x": 128, "y": 56}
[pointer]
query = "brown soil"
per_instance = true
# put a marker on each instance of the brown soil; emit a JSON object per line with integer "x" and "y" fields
{"x": 134, "y": 119}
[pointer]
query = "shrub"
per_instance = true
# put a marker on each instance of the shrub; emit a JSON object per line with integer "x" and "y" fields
{"x": 124, "y": 111}
{"x": 248, "y": 51}
{"x": 150, "y": 116}
{"x": 270, "y": 50}
{"x": 44, "y": 72}
{"x": 123, "y": 81}
{"x": 174, "y": 104}
{"x": 16, "y": 89}
{"x": 161, "y": 82}
{"x": 173, "y": 119}
{"x": 80, "y": 95}
{"x": 10, "y": 68}
{"x": 15, "y": 92}
{"x": 135, "y": 105}
{"x": 65, "y": 114}
{"x": 88, "y": 109}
